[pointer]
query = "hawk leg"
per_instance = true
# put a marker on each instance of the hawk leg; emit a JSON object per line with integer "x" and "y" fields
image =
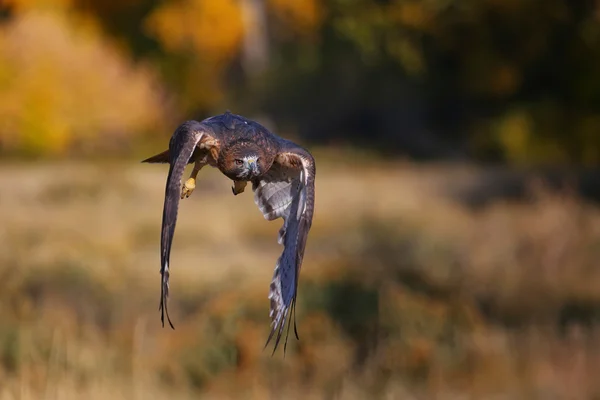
{"x": 238, "y": 187}
{"x": 189, "y": 185}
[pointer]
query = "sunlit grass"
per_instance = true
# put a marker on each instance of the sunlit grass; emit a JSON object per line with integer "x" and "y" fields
{"x": 403, "y": 292}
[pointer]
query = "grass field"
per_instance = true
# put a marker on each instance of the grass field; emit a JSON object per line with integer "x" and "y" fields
{"x": 404, "y": 292}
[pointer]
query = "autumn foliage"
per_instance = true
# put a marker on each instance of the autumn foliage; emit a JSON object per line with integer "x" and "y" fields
{"x": 501, "y": 81}
{"x": 420, "y": 280}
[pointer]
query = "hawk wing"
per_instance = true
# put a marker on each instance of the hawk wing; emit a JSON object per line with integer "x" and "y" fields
{"x": 182, "y": 145}
{"x": 287, "y": 190}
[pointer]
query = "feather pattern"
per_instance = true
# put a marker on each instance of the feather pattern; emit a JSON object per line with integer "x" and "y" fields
{"x": 274, "y": 192}
{"x": 181, "y": 147}
{"x": 287, "y": 191}
{"x": 283, "y": 184}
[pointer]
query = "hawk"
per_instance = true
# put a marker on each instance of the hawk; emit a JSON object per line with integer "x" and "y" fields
{"x": 283, "y": 181}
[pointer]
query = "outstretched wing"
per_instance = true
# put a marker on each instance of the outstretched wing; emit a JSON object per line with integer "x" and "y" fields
{"x": 287, "y": 190}
{"x": 183, "y": 143}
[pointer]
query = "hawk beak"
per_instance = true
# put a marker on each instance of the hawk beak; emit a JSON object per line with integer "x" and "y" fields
{"x": 253, "y": 166}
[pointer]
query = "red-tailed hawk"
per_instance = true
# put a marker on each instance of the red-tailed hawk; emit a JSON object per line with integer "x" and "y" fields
{"x": 283, "y": 180}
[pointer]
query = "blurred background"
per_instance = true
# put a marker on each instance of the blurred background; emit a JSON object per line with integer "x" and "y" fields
{"x": 456, "y": 241}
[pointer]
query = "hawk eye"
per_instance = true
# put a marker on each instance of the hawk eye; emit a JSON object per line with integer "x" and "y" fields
{"x": 238, "y": 161}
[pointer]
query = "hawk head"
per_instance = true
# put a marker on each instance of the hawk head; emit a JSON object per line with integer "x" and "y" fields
{"x": 243, "y": 161}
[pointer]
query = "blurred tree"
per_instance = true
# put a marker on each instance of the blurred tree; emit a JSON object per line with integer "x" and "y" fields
{"x": 62, "y": 87}
{"x": 18, "y": 6}
{"x": 303, "y": 17}
{"x": 255, "y": 52}
{"x": 205, "y": 36}
{"x": 449, "y": 78}
{"x": 510, "y": 80}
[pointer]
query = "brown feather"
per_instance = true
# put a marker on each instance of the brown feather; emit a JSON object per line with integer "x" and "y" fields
{"x": 182, "y": 146}
{"x": 287, "y": 191}
{"x": 284, "y": 187}
{"x": 165, "y": 157}
{"x": 162, "y": 158}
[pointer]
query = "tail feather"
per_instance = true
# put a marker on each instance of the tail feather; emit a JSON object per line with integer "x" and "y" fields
{"x": 160, "y": 158}
{"x": 165, "y": 158}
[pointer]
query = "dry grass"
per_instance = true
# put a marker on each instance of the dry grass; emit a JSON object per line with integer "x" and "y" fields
{"x": 404, "y": 293}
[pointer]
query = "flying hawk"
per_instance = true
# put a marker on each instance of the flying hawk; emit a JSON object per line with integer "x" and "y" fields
{"x": 283, "y": 181}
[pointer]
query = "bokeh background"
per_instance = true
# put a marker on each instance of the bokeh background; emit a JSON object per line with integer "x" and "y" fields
{"x": 456, "y": 243}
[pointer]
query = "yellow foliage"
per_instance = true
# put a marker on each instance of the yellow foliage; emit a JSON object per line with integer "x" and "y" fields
{"x": 303, "y": 16}
{"x": 519, "y": 137}
{"x": 213, "y": 29}
{"x": 62, "y": 85}
{"x": 105, "y": 6}
{"x": 25, "y": 5}
{"x": 209, "y": 33}
{"x": 514, "y": 133}
{"x": 412, "y": 14}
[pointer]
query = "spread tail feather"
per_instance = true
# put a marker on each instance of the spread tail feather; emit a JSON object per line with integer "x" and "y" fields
{"x": 165, "y": 158}
{"x": 160, "y": 158}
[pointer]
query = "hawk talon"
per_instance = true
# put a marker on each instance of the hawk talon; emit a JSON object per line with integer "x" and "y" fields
{"x": 188, "y": 187}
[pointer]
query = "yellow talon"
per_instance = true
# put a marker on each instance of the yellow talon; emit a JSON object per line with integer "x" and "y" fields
{"x": 188, "y": 188}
